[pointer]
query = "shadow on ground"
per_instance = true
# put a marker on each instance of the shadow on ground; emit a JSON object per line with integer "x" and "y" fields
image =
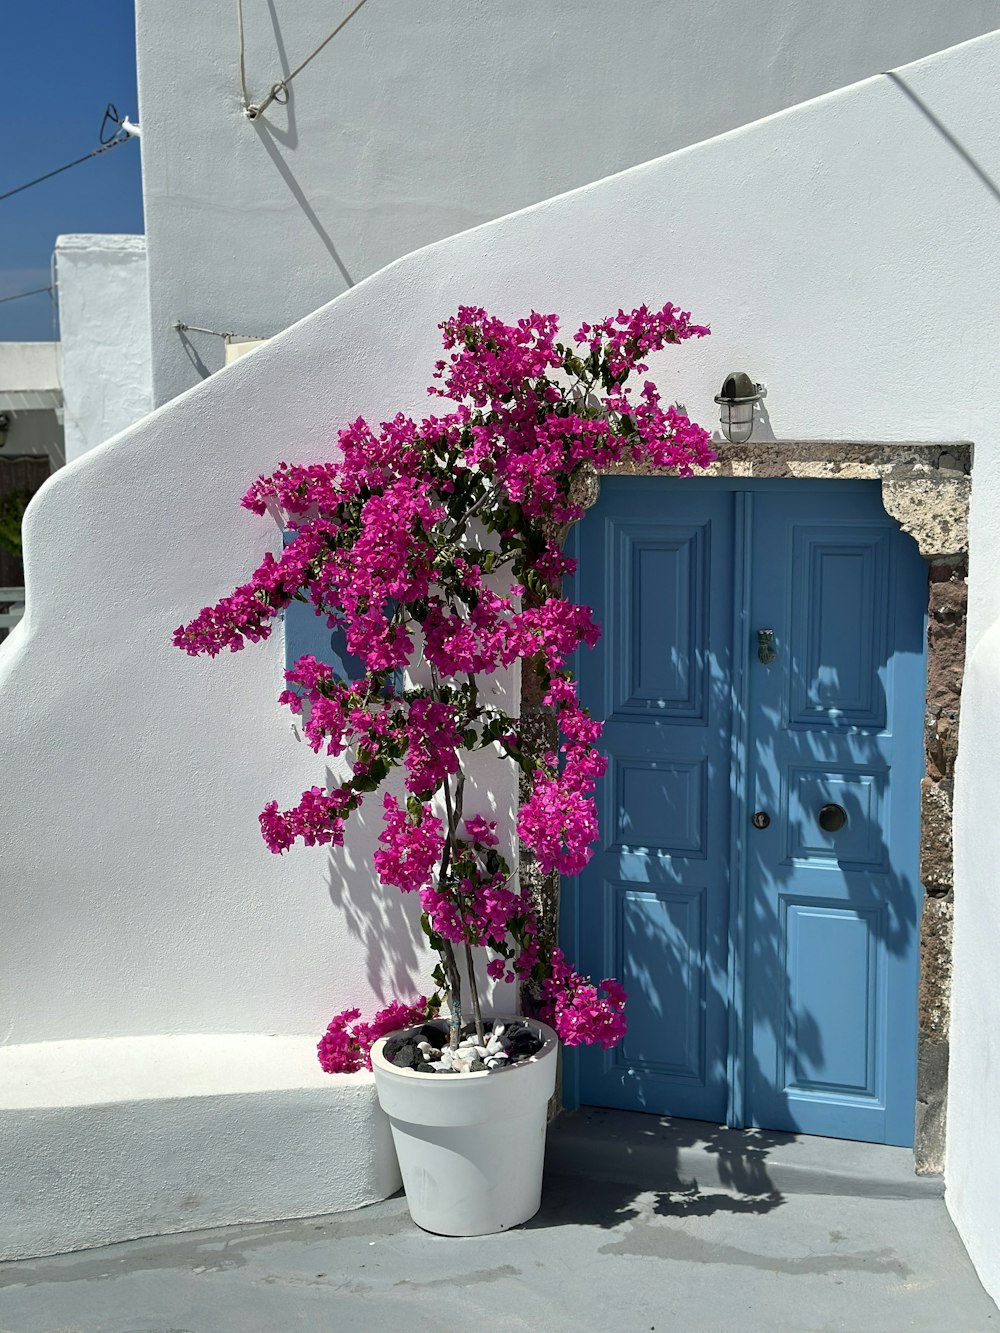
{"x": 642, "y": 1165}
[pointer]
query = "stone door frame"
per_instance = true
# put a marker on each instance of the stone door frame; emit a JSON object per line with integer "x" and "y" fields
{"x": 927, "y": 489}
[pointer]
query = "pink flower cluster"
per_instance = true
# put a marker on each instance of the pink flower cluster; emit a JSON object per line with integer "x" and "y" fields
{"x": 411, "y": 848}
{"x": 433, "y": 739}
{"x": 558, "y": 821}
{"x": 629, "y": 336}
{"x": 248, "y": 612}
{"x": 318, "y": 819}
{"x": 575, "y": 1008}
{"x": 345, "y": 1046}
{"x": 435, "y": 536}
{"x": 488, "y": 356}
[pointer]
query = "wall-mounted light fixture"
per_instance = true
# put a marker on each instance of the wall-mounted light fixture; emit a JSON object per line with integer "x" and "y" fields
{"x": 739, "y": 396}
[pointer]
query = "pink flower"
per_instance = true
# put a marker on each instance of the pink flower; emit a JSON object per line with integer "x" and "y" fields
{"x": 482, "y": 832}
{"x": 411, "y": 848}
{"x": 317, "y": 819}
{"x": 432, "y": 742}
{"x": 576, "y": 1009}
{"x": 346, "y": 1045}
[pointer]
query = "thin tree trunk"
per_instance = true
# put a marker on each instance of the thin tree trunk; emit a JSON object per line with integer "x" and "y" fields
{"x": 454, "y": 996}
{"x": 477, "y": 1012}
{"x": 454, "y": 813}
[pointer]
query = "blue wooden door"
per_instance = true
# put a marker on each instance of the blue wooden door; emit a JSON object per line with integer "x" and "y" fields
{"x": 761, "y": 680}
{"x": 655, "y": 897}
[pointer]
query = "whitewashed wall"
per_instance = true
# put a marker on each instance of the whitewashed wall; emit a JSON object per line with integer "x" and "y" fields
{"x": 972, "y": 1169}
{"x": 104, "y": 327}
{"x": 857, "y": 279}
{"x": 424, "y": 118}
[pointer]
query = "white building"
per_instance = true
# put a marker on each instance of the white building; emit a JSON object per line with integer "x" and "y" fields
{"x": 835, "y": 224}
{"x": 31, "y": 446}
{"x": 31, "y": 402}
{"x": 104, "y": 332}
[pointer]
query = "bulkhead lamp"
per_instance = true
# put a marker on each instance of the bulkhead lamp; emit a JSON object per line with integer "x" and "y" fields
{"x": 739, "y": 396}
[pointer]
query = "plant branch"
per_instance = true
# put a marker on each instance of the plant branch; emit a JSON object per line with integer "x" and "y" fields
{"x": 454, "y": 995}
{"x": 454, "y": 810}
{"x": 477, "y": 1012}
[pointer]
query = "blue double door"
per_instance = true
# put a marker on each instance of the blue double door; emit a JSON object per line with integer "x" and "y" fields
{"x": 761, "y": 681}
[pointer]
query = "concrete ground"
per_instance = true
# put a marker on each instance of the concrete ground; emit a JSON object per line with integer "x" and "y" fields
{"x": 646, "y": 1226}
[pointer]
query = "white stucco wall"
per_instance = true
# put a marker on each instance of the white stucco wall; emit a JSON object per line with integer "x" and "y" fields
{"x": 104, "y": 328}
{"x": 422, "y": 119}
{"x": 29, "y": 367}
{"x": 856, "y": 279}
{"x": 106, "y": 1140}
{"x": 972, "y": 1166}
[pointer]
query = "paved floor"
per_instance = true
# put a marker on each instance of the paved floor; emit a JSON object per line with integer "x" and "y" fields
{"x": 647, "y": 1226}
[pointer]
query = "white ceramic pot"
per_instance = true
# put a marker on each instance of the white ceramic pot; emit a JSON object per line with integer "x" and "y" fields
{"x": 470, "y": 1146}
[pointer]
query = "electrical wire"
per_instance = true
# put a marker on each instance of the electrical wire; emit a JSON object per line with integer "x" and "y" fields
{"x": 121, "y": 136}
{"x": 111, "y": 117}
{"x": 36, "y": 291}
{"x": 253, "y": 109}
{"x": 106, "y": 148}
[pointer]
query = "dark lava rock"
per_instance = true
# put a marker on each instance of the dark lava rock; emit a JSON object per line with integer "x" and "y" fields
{"x": 523, "y": 1041}
{"x": 403, "y": 1052}
{"x": 436, "y": 1036}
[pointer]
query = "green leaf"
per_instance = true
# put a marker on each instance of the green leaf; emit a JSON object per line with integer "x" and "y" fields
{"x": 436, "y": 942}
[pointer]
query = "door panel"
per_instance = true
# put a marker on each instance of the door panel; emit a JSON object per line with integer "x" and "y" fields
{"x": 654, "y": 900}
{"x": 800, "y": 938}
{"x": 835, "y": 719}
{"x": 666, "y": 1019}
{"x": 830, "y": 1044}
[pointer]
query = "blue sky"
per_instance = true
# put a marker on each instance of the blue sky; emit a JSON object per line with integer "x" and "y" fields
{"x": 63, "y": 62}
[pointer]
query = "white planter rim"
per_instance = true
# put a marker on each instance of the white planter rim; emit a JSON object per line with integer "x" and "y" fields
{"x": 379, "y": 1061}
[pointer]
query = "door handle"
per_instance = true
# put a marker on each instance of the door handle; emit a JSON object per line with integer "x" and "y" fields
{"x": 831, "y": 818}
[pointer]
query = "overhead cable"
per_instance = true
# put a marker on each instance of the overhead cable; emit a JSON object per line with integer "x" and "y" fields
{"x": 279, "y": 90}
{"x": 110, "y": 125}
{"x": 122, "y": 135}
{"x": 36, "y": 291}
{"x": 122, "y": 125}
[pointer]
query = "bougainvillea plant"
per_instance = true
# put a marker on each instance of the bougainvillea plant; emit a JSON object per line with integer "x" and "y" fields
{"x": 435, "y": 546}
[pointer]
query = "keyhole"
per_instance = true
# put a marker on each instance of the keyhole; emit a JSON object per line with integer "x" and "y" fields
{"x": 765, "y": 646}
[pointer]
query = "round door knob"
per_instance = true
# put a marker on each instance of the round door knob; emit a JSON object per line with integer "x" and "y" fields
{"x": 832, "y": 818}
{"x": 760, "y": 819}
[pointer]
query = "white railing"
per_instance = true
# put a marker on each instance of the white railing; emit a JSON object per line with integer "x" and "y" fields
{"x": 11, "y": 607}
